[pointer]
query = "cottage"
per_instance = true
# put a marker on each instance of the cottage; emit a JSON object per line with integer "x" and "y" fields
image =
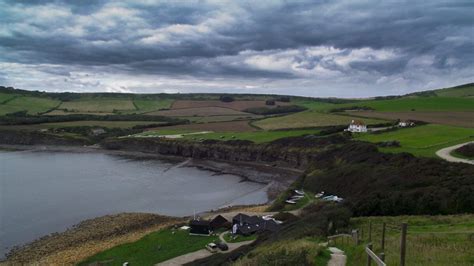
{"x": 247, "y": 225}
{"x": 406, "y": 123}
{"x": 220, "y": 222}
{"x": 357, "y": 126}
{"x": 97, "y": 131}
{"x": 200, "y": 227}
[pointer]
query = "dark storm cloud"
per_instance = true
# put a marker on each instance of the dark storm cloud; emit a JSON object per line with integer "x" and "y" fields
{"x": 243, "y": 39}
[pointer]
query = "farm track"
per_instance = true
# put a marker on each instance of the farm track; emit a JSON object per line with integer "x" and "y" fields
{"x": 446, "y": 154}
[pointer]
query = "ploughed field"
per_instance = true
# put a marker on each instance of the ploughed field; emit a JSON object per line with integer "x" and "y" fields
{"x": 235, "y": 105}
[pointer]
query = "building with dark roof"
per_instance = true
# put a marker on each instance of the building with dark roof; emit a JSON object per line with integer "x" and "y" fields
{"x": 247, "y": 225}
{"x": 220, "y": 222}
{"x": 200, "y": 227}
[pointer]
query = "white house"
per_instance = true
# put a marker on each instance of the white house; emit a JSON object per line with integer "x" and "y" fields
{"x": 406, "y": 123}
{"x": 357, "y": 126}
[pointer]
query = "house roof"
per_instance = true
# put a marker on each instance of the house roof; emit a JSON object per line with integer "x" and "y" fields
{"x": 358, "y": 123}
{"x": 199, "y": 223}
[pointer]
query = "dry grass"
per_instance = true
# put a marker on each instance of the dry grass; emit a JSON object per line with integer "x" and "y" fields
{"x": 232, "y": 126}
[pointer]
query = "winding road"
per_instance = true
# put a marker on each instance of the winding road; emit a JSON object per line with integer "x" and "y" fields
{"x": 446, "y": 154}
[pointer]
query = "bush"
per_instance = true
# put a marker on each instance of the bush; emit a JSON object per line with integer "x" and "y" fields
{"x": 226, "y": 99}
{"x": 270, "y": 102}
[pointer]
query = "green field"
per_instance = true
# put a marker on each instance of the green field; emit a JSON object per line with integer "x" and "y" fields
{"x": 431, "y": 240}
{"x": 421, "y": 140}
{"x": 256, "y": 136}
{"x": 151, "y": 249}
{"x": 6, "y": 97}
{"x": 98, "y": 105}
{"x": 152, "y": 105}
{"x": 417, "y": 104}
{"x": 33, "y": 105}
{"x": 309, "y": 118}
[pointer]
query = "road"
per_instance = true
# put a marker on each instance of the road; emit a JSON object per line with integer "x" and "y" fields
{"x": 186, "y": 258}
{"x": 446, "y": 154}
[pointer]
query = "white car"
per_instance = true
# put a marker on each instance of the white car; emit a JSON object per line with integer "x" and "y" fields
{"x": 212, "y": 247}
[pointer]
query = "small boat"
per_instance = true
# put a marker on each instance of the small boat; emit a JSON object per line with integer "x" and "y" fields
{"x": 290, "y": 202}
{"x": 301, "y": 192}
{"x": 319, "y": 195}
{"x": 294, "y": 199}
{"x": 267, "y": 217}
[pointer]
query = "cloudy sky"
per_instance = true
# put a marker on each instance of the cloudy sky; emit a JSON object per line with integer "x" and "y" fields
{"x": 314, "y": 48}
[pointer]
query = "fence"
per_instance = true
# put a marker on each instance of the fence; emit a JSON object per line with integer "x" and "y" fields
{"x": 357, "y": 235}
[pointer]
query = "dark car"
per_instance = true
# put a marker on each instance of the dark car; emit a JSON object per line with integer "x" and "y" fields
{"x": 223, "y": 246}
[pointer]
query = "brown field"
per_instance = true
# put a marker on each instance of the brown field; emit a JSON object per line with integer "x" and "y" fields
{"x": 199, "y": 111}
{"x": 232, "y": 126}
{"x": 236, "y": 105}
{"x": 464, "y": 119}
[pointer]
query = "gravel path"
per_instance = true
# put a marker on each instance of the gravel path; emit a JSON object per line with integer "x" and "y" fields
{"x": 337, "y": 257}
{"x": 446, "y": 154}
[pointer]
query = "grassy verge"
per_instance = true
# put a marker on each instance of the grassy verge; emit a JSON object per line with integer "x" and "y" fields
{"x": 422, "y": 140}
{"x": 256, "y": 136}
{"x": 290, "y": 252}
{"x": 151, "y": 249}
{"x": 429, "y": 240}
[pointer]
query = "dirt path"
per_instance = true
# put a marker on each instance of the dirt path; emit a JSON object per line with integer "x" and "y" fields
{"x": 186, "y": 258}
{"x": 446, "y": 154}
{"x": 337, "y": 257}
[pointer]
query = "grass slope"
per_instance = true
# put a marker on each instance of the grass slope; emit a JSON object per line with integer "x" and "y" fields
{"x": 422, "y": 140}
{"x": 429, "y": 241}
{"x": 151, "y": 249}
{"x": 418, "y": 104}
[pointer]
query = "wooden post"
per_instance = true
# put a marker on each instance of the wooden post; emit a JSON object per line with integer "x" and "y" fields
{"x": 357, "y": 237}
{"x": 403, "y": 242}
{"x": 362, "y": 234}
{"x": 382, "y": 256}
{"x": 370, "y": 231}
{"x": 383, "y": 236}
{"x": 369, "y": 259}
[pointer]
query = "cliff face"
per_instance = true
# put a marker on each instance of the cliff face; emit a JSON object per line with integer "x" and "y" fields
{"x": 37, "y": 138}
{"x": 286, "y": 152}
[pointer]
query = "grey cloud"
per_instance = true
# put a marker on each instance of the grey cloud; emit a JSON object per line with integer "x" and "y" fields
{"x": 211, "y": 39}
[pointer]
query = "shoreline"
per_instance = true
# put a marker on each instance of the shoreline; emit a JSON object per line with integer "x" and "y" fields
{"x": 276, "y": 179}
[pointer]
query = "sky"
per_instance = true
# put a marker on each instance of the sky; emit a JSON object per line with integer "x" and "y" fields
{"x": 324, "y": 48}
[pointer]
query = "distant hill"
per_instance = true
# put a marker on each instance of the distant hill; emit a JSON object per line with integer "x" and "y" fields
{"x": 462, "y": 91}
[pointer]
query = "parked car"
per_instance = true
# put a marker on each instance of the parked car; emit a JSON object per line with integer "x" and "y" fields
{"x": 212, "y": 247}
{"x": 223, "y": 246}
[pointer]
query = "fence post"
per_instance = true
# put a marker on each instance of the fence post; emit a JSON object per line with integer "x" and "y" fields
{"x": 382, "y": 256}
{"x": 362, "y": 233}
{"x": 383, "y": 236}
{"x": 370, "y": 231}
{"x": 369, "y": 259}
{"x": 357, "y": 237}
{"x": 403, "y": 241}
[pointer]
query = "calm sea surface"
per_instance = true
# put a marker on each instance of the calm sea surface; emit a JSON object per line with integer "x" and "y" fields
{"x": 44, "y": 192}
